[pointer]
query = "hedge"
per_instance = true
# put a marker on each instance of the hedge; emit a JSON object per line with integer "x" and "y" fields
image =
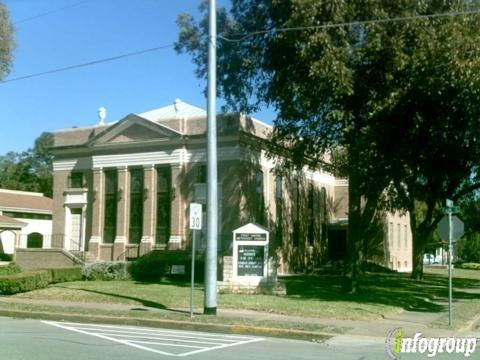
{"x": 31, "y": 280}
{"x": 156, "y": 265}
{"x": 59, "y": 275}
{"x": 23, "y": 282}
{"x": 106, "y": 270}
{"x": 10, "y": 269}
{"x": 468, "y": 266}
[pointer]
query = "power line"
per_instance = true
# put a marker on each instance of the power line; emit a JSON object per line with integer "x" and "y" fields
{"x": 90, "y": 63}
{"x": 353, "y": 23}
{"x": 50, "y": 12}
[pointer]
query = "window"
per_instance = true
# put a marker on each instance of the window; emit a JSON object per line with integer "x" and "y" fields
{"x": 22, "y": 215}
{"x": 35, "y": 241}
{"x": 296, "y": 213}
{"x": 163, "y": 205}
{"x": 76, "y": 180}
{"x": 136, "y": 206}
{"x": 390, "y": 234}
{"x": 399, "y": 238}
{"x": 279, "y": 209}
{"x": 259, "y": 198}
{"x": 324, "y": 215}
{"x": 202, "y": 174}
{"x": 278, "y": 188}
{"x": 311, "y": 215}
{"x": 405, "y": 235}
{"x": 111, "y": 186}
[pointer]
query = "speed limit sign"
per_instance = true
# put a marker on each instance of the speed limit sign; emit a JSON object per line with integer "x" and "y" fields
{"x": 195, "y": 216}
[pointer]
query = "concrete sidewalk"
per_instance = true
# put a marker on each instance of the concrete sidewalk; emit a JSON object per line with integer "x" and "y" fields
{"x": 229, "y": 320}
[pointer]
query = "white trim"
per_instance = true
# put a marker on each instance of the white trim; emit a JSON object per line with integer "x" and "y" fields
{"x": 175, "y": 239}
{"x": 17, "y": 192}
{"x": 120, "y": 239}
{"x": 341, "y": 182}
{"x": 147, "y": 239}
{"x": 26, "y": 210}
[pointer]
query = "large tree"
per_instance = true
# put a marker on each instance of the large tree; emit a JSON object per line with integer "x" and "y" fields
{"x": 30, "y": 170}
{"x": 391, "y": 85}
{"x": 6, "y": 41}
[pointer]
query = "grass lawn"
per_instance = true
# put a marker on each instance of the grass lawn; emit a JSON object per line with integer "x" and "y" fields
{"x": 317, "y": 296}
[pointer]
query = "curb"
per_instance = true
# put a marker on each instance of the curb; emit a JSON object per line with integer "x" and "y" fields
{"x": 174, "y": 324}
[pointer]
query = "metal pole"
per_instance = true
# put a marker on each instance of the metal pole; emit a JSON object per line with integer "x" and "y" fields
{"x": 192, "y": 283}
{"x": 210, "y": 306}
{"x": 450, "y": 268}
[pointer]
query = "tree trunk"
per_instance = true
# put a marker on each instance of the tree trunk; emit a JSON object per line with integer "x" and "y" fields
{"x": 354, "y": 237}
{"x": 418, "y": 242}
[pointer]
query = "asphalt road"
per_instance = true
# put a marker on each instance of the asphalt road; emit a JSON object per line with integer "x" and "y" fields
{"x": 47, "y": 340}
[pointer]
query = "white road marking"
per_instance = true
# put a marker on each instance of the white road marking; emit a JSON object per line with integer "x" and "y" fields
{"x": 128, "y": 335}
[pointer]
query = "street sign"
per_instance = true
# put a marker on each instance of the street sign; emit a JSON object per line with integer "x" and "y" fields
{"x": 195, "y": 216}
{"x": 457, "y": 228}
{"x": 451, "y": 210}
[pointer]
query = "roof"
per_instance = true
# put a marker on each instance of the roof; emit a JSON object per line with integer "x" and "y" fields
{"x": 8, "y": 222}
{"x": 178, "y": 109}
{"x": 25, "y": 201}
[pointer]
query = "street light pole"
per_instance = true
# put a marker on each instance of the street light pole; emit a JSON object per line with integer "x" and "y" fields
{"x": 450, "y": 247}
{"x": 210, "y": 306}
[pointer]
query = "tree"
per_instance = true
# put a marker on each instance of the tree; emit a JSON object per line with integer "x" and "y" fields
{"x": 377, "y": 89}
{"x": 6, "y": 41}
{"x": 30, "y": 170}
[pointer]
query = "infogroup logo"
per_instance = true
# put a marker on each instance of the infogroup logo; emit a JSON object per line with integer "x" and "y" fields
{"x": 397, "y": 344}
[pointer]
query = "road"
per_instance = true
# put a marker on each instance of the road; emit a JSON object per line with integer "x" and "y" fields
{"x": 48, "y": 340}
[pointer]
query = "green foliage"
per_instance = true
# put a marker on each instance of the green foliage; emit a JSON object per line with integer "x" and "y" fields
{"x": 359, "y": 87}
{"x": 7, "y": 43}
{"x": 58, "y": 275}
{"x": 469, "y": 266}
{"x": 5, "y": 257}
{"x": 10, "y": 269}
{"x": 30, "y": 170}
{"x": 106, "y": 270}
{"x": 23, "y": 282}
{"x": 13, "y": 281}
{"x": 469, "y": 249}
{"x": 155, "y": 265}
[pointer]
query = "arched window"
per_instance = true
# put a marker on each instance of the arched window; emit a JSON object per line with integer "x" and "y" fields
{"x": 35, "y": 241}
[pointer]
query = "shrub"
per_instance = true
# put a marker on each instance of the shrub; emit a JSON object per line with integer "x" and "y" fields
{"x": 157, "y": 264}
{"x": 5, "y": 257}
{"x": 468, "y": 250}
{"x": 23, "y": 282}
{"x": 59, "y": 275}
{"x": 10, "y": 269}
{"x": 106, "y": 270}
{"x": 469, "y": 266}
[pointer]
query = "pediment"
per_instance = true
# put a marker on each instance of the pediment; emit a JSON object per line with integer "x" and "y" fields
{"x": 134, "y": 129}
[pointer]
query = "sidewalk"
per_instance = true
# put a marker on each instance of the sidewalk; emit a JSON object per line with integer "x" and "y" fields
{"x": 226, "y": 321}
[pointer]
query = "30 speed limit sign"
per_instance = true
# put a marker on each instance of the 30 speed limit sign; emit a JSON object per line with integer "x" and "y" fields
{"x": 195, "y": 216}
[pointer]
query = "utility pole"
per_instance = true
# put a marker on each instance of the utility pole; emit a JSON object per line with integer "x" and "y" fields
{"x": 450, "y": 249}
{"x": 210, "y": 306}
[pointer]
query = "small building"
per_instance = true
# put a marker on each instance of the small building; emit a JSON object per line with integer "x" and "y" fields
{"x": 25, "y": 220}
{"x": 122, "y": 189}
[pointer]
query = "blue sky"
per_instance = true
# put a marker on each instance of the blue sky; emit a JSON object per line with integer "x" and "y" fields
{"x": 92, "y": 30}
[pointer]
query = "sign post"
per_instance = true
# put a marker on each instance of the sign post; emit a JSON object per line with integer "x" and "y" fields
{"x": 195, "y": 224}
{"x": 450, "y": 228}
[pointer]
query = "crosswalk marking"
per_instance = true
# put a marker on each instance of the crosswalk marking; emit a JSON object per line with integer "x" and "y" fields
{"x": 150, "y": 339}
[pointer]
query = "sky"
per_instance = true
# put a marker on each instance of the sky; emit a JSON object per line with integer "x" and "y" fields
{"x": 75, "y": 32}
